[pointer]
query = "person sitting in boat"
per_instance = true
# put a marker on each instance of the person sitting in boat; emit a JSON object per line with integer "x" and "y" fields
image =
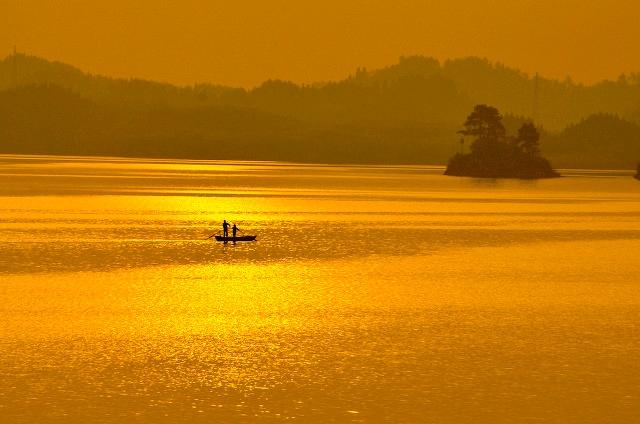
{"x": 234, "y": 230}
{"x": 225, "y": 228}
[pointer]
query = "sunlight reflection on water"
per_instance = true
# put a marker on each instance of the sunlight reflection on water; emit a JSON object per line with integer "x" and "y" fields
{"x": 373, "y": 294}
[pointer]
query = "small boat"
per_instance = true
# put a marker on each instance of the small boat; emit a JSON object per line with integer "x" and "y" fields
{"x": 234, "y": 239}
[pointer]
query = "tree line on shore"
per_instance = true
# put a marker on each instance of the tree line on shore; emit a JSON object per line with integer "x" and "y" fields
{"x": 406, "y": 113}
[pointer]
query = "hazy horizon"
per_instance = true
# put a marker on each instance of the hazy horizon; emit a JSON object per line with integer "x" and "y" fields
{"x": 246, "y": 44}
{"x": 348, "y": 74}
{"x": 408, "y": 112}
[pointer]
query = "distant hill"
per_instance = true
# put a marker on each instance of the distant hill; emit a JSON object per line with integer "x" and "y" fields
{"x": 600, "y": 140}
{"x": 417, "y": 89}
{"x": 48, "y": 119}
{"x": 408, "y": 112}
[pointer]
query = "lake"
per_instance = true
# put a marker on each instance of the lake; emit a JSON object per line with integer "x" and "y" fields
{"x": 373, "y": 294}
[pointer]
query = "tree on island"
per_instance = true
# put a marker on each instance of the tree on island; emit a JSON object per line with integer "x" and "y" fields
{"x": 528, "y": 139}
{"x": 496, "y": 155}
{"x": 637, "y": 176}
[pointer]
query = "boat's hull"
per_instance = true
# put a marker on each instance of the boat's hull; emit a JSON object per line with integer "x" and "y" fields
{"x": 234, "y": 239}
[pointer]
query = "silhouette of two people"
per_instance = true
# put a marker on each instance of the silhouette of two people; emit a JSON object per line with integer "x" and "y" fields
{"x": 225, "y": 229}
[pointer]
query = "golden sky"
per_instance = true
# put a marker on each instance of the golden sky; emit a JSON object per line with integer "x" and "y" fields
{"x": 243, "y": 42}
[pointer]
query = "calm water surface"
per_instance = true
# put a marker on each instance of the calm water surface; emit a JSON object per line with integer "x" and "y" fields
{"x": 373, "y": 294}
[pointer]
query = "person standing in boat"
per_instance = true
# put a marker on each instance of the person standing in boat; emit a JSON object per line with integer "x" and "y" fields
{"x": 225, "y": 228}
{"x": 234, "y": 230}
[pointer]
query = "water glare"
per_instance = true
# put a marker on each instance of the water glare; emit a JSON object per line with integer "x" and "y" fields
{"x": 373, "y": 294}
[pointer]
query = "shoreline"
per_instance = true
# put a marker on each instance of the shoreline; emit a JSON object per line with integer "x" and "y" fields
{"x": 162, "y": 159}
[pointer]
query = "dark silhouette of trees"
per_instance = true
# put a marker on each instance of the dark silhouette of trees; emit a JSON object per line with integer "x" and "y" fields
{"x": 528, "y": 139}
{"x": 495, "y": 155}
{"x": 485, "y": 125}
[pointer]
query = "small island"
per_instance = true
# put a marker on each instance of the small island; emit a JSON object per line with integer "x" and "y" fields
{"x": 496, "y": 155}
{"x": 637, "y": 176}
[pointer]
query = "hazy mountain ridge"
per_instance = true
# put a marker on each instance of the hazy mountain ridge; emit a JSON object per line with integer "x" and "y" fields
{"x": 406, "y": 113}
{"x": 600, "y": 140}
{"x": 415, "y": 89}
{"x": 48, "y": 119}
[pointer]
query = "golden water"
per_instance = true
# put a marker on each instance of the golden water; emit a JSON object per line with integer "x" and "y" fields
{"x": 373, "y": 294}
